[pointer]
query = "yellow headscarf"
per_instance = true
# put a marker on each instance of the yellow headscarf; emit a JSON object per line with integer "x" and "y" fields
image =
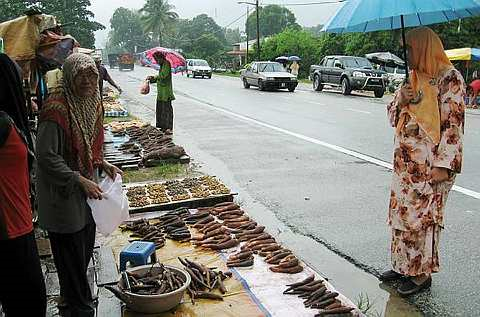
{"x": 429, "y": 60}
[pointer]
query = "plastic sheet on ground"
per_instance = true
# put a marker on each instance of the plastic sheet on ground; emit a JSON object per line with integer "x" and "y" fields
{"x": 254, "y": 291}
{"x": 238, "y": 301}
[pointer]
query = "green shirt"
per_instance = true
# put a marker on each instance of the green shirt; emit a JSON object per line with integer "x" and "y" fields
{"x": 164, "y": 83}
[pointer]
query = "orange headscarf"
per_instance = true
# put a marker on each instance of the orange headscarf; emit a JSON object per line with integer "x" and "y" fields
{"x": 429, "y": 61}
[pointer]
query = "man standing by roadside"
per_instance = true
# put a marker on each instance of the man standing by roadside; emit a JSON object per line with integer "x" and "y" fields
{"x": 164, "y": 110}
{"x": 104, "y": 76}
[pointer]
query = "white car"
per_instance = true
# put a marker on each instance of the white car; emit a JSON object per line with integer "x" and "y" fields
{"x": 198, "y": 67}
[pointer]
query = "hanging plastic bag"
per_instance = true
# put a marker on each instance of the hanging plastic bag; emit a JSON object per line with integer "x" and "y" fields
{"x": 145, "y": 88}
{"x": 112, "y": 210}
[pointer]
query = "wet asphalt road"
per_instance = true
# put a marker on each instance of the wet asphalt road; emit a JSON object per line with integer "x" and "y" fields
{"x": 291, "y": 153}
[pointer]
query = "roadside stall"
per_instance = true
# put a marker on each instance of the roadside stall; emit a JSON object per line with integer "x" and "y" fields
{"x": 112, "y": 105}
{"x": 131, "y": 144}
{"x": 466, "y": 54}
{"x": 213, "y": 260}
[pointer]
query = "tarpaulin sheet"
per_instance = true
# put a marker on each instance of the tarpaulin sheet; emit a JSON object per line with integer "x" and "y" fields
{"x": 238, "y": 301}
{"x": 253, "y": 291}
{"x": 463, "y": 54}
{"x": 21, "y": 37}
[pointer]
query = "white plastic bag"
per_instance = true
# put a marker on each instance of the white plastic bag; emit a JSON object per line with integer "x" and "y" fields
{"x": 112, "y": 210}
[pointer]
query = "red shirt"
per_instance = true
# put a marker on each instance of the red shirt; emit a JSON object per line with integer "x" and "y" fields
{"x": 475, "y": 85}
{"x": 15, "y": 209}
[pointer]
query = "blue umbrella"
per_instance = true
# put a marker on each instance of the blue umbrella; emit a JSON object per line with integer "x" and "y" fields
{"x": 294, "y": 58}
{"x": 376, "y": 15}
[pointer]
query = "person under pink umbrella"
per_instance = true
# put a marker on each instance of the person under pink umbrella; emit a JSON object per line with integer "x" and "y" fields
{"x": 165, "y": 96}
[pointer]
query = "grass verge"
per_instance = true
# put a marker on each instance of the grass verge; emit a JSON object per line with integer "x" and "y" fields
{"x": 108, "y": 120}
{"x": 366, "y": 306}
{"x": 161, "y": 172}
{"x": 229, "y": 74}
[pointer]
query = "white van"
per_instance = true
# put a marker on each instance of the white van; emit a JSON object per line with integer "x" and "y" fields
{"x": 198, "y": 67}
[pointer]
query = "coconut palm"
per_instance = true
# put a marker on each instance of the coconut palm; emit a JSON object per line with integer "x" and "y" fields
{"x": 158, "y": 18}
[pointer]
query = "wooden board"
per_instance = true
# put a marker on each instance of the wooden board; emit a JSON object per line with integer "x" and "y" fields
{"x": 51, "y": 284}
{"x": 43, "y": 246}
{"x": 185, "y": 159}
{"x": 130, "y": 167}
{"x": 190, "y": 203}
{"x": 106, "y": 266}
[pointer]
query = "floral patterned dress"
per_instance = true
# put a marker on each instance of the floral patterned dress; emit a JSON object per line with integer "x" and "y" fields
{"x": 416, "y": 211}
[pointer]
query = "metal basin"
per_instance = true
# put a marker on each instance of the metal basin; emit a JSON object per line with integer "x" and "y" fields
{"x": 156, "y": 303}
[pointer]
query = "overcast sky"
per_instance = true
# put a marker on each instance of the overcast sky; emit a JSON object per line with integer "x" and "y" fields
{"x": 223, "y": 11}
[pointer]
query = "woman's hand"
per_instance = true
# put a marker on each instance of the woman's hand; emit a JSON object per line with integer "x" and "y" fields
{"x": 91, "y": 189}
{"x": 439, "y": 174}
{"x": 111, "y": 170}
{"x": 406, "y": 95}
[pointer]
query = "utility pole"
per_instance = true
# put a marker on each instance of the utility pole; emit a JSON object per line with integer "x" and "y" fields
{"x": 246, "y": 29}
{"x": 256, "y": 4}
{"x": 258, "y": 32}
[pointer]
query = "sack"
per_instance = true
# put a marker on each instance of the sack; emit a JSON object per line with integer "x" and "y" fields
{"x": 112, "y": 210}
{"x": 145, "y": 89}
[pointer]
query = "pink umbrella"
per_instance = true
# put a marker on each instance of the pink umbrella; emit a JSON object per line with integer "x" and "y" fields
{"x": 175, "y": 59}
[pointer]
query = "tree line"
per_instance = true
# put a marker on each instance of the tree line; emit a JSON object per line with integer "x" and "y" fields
{"x": 74, "y": 14}
{"x": 157, "y": 23}
{"x": 312, "y": 45}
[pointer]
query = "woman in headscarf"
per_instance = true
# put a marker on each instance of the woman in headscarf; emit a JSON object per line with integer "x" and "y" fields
{"x": 164, "y": 109}
{"x": 70, "y": 156}
{"x": 21, "y": 278}
{"x": 427, "y": 157}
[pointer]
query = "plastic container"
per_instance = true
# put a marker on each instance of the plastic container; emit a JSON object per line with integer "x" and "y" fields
{"x": 156, "y": 303}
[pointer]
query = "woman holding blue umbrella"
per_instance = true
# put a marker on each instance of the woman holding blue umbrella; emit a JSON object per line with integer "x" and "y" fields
{"x": 427, "y": 156}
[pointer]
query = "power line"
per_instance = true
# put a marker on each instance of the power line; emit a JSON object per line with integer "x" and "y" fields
{"x": 206, "y": 34}
{"x": 306, "y": 3}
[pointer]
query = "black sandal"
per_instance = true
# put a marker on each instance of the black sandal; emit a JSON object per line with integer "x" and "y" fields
{"x": 390, "y": 275}
{"x": 409, "y": 287}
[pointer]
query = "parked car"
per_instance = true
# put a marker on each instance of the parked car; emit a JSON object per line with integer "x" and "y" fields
{"x": 349, "y": 73}
{"x": 268, "y": 75}
{"x": 198, "y": 67}
{"x": 126, "y": 61}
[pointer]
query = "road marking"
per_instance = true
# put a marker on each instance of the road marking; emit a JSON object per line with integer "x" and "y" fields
{"x": 360, "y": 111}
{"x": 316, "y": 103}
{"x": 367, "y": 158}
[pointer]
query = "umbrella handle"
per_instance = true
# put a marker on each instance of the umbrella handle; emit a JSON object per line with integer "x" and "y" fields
{"x": 404, "y": 49}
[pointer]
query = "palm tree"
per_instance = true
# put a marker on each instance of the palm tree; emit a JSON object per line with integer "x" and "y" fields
{"x": 158, "y": 18}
